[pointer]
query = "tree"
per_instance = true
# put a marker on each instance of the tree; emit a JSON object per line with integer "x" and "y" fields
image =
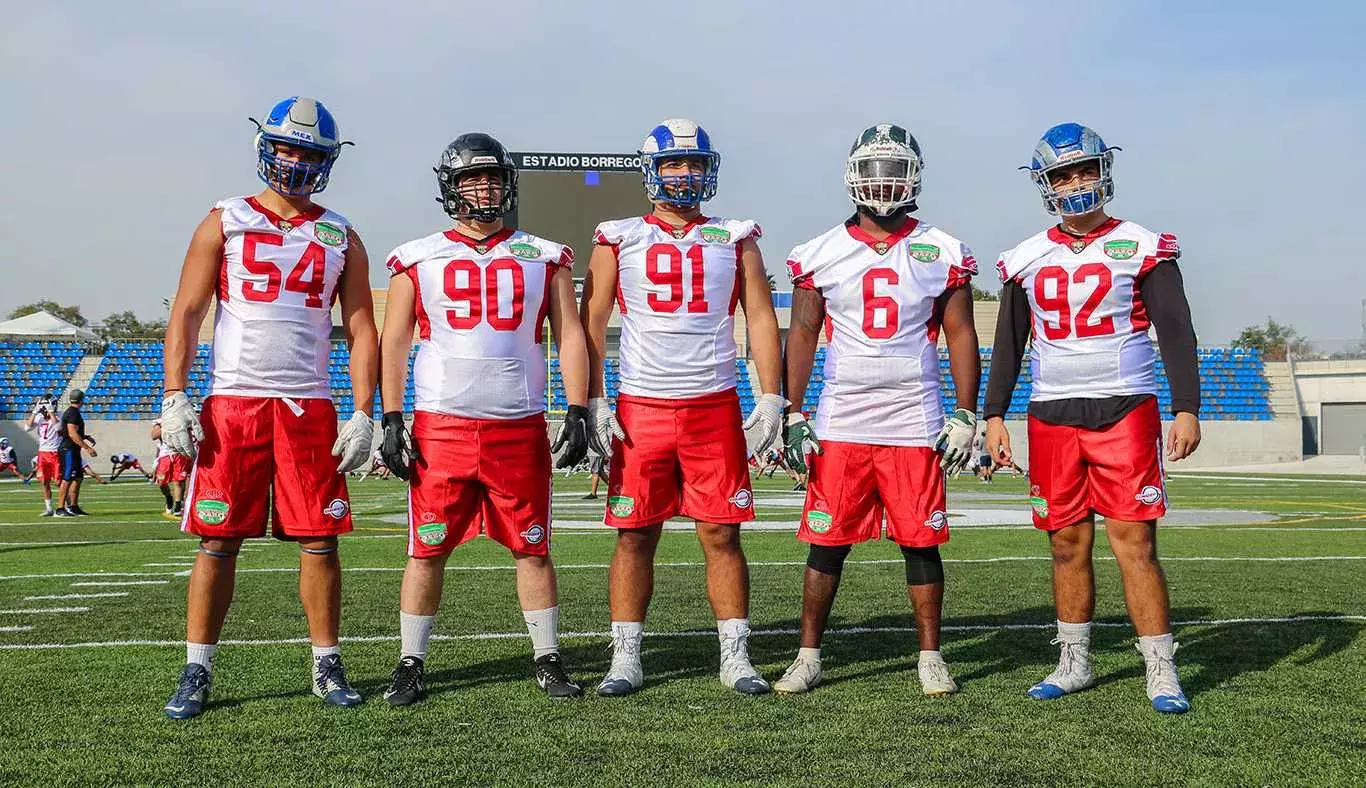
{"x": 71, "y": 314}
{"x": 126, "y": 325}
{"x": 978, "y": 294}
{"x": 1274, "y": 339}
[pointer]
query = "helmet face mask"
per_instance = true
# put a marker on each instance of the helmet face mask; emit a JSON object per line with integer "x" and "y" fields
{"x": 296, "y": 147}
{"x": 882, "y": 173}
{"x": 465, "y": 195}
{"x": 679, "y": 165}
{"x": 1064, "y": 147}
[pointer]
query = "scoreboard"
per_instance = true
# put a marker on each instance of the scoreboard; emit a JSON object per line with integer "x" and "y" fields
{"x": 563, "y": 196}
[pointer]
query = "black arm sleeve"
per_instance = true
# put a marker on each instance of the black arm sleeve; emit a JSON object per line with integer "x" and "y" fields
{"x": 1012, "y": 333}
{"x": 1164, "y": 296}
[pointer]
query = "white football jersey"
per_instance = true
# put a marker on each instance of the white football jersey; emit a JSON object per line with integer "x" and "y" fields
{"x": 49, "y": 434}
{"x": 1090, "y": 325}
{"x": 162, "y": 449}
{"x": 7, "y": 456}
{"x": 481, "y": 312}
{"x": 677, "y": 291}
{"x": 275, "y": 292}
{"x": 882, "y": 328}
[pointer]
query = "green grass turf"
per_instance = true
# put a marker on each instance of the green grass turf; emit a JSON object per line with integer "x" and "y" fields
{"x": 1275, "y": 702}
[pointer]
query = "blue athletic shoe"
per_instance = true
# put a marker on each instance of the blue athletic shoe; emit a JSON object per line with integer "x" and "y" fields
{"x": 330, "y": 684}
{"x": 191, "y": 693}
{"x": 1073, "y": 673}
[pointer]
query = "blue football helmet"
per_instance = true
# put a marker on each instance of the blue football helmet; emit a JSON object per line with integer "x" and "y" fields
{"x": 305, "y": 123}
{"x": 676, "y": 138}
{"x": 1065, "y": 145}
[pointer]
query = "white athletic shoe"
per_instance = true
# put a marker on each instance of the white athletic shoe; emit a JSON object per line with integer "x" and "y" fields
{"x": 803, "y": 675}
{"x": 1073, "y": 673}
{"x": 736, "y": 670}
{"x": 625, "y": 675}
{"x": 1164, "y": 688}
{"x": 935, "y": 678}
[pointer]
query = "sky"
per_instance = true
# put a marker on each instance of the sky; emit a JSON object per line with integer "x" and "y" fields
{"x": 1241, "y": 123}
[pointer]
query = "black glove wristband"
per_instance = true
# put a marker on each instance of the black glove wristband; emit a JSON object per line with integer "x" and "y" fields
{"x": 578, "y": 412}
{"x": 392, "y": 418}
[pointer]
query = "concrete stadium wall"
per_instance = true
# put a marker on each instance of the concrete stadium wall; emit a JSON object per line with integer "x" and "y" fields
{"x": 1319, "y": 382}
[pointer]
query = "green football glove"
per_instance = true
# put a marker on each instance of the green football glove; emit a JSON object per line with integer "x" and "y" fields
{"x": 796, "y": 440}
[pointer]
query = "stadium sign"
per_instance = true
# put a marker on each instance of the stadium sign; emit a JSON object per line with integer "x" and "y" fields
{"x": 573, "y": 162}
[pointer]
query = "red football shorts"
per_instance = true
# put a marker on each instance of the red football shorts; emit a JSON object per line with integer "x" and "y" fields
{"x": 8, "y": 466}
{"x": 680, "y": 457}
{"x": 48, "y": 467}
{"x": 1116, "y": 470}
{"x": 479, "y": 474}
{"x": 853, "y": 485}
{"x": 173, "y": 468}
{"x": 257, "y": 452}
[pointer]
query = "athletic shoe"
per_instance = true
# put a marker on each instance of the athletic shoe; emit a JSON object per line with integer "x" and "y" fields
{"x": 625, "y": 675}
{"x": 170, "y": 515}
{"x": 78, "y": 511}
{"x": 408, "y": 682}
{"x": 803, "y": 675}
{"x": 191, "y": 693}
{"x": 552, "y": 678}
{"x": 799, "y": 488}
{"x": 330, "y": 684}
{"x": 736, "y": 670}
{"x": 934, "y": 677}
{"x": 1073, "y": 673}
{"x": 590, "y": 497}
{"x": 48, "y": 513}
{"x": 63, "y": 512}
{"x": 1164, "y": 688}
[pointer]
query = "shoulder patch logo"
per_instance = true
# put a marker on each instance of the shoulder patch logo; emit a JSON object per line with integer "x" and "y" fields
{"x": 525, "y": 251}
{"x": 925, "y": 253}
{"x": 1120, "y": 250}
{"x": 715, "y": 235}
{"x": 1149, "y": 495}
{"x": 329, "y": 234}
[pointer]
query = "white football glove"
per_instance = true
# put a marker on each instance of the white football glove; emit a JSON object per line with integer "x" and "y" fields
{"x": 955, "y": 441}
{"x": 180, "y": 429}
{"x": 602, "y": 426}
{"x": 764, "y": 425}
{"x": 353, "y": 443}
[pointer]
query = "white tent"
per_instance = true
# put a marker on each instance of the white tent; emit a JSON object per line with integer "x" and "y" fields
{"x": 45, "y": 325}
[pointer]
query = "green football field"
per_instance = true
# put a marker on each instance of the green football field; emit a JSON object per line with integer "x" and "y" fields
{"x": 1268, "y": 582}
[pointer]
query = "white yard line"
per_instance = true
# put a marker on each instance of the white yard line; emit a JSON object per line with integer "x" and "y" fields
{"x": 32, "y": 610}
{"x": 17, "y": 628}
{"x": 103, "y": 595}
{"x": 1289, "y": 480}
{"x": 703, "y": 633}
{"x": 122, "y": 582}
{"x": 178, "y": 563}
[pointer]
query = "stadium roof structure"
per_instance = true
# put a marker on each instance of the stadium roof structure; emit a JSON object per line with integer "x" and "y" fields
{"x": 45, "y": 325}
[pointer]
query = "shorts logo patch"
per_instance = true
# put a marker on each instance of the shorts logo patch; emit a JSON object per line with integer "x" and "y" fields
{"x": 525, "y": 251}
{"x": 1120, "y": 250}
{"x": 819, "y": 522}
{"x": 431, "y": 534}
{"x": 743, "y": 499}
{"x": 621, "y": 505}
{"x": 925, "y": 253}
{"x": 329, "y": 234}
{"x": 211, "y": 512}
{"x": 1149, "y": 495}
{"x": 534, "y": 535}
{"x": 938, "y": 521}
{"x": 337, "y": 509}
{"x": 715, "y": 235}
{"x": 1037, "y": 501}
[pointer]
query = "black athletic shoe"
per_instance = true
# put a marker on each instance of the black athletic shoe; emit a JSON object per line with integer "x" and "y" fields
{"x": 407, "y": 684}
{"x": 63, "y": 512}
{"x": 78, "y": 511}
{"x": 551, "y": 677}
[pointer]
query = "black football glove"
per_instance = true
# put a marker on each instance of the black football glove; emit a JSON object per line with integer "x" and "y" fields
{"x": 398, "y": 450}
{"x": 572, "y": 438}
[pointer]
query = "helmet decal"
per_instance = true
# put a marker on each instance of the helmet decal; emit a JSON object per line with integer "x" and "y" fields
{"x": 305, "y": 124}
{"x": 1065, "y": 145}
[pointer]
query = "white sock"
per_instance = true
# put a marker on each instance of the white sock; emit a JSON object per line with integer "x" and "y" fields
{"x": 47, "y": 504}
{"x": 414, "y": 632}
{"x": 200, "y": 654}
{"x": 736, "y": 628}
{"x": 628, "y": 629}
{"x": 324, "y": 651}
{"x": 1157, "y": 644}
{"x": 544, "y": 628}
{"x": 934, "y": 656}
{"x": 1074, "y": 633}
{"x": 810, "y": 654}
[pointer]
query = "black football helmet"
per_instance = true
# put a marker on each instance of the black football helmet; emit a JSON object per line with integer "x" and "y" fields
{"x": 472, "y": 153}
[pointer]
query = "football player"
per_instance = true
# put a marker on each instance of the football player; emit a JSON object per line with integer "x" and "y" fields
{"x": 377, "y": 466}
{"x": 8, "y": 461}
{"x": 480, "y": 294}
{"x": 125, "y": 462}
{"x": 677, "y": 444}
{"x": 171, "y": 472}
{"x": 1089, "y": 287}
{"x": 276, "y": 262}
{"x": 885, "y": 283}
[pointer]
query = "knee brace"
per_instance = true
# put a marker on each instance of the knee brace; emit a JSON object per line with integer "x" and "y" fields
{"x": 328, "y": 550}
{"x": 216, "y": 553}
{"x": 827, "y": 560}
{"x": 923, "y": 565}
